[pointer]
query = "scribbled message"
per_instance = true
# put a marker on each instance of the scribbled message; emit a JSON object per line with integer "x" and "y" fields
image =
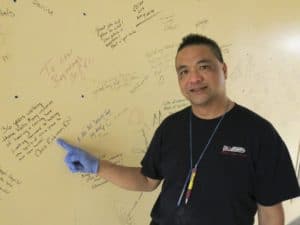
{"x": 142, "y": 14}
{"x": 95, "y": 181}
{"x": 173, "y": 105}
{"x": 42, "y": 7}
{"x": 31, "y": 133}
{"x": 123, "y": 80}
{"x": 7, "y": 13}
{"x": 226, "y": 48}
{"x": 99, "y": 127}
{"x": 167, "y": 108}
{"x": 146, "y": 130}
{"x": 161, "y": 61}
{"x": 168, "y": 22}
{"x": 115, "y": 33}
{"x": 3, "y": 58}
{"x": 138, "y": 84}
{"x": 201, "y": 26}
{"x": 66, "y": 67}
{"x": 125, "y": 215}
{"x": 8, "y": 183}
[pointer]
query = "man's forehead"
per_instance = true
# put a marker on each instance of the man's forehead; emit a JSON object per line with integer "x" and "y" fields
{"x": 195, "y": 53}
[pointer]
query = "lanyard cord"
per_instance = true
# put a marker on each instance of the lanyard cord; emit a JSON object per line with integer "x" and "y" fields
{"x": 192, "y": 172}
{"x": 208, "y": 143}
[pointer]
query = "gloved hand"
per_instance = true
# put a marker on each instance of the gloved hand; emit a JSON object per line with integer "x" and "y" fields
{"x": 79, "y": 160}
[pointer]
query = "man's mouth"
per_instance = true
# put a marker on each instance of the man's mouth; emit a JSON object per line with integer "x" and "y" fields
{"x": 198, "y": 89}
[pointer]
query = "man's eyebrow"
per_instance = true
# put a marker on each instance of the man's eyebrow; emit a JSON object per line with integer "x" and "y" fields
{"x": 204, "y": 61}
{"x": 198, "y": 62}
{"x": 180, "y": 67}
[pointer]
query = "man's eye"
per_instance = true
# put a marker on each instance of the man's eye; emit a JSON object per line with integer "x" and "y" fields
{"x": 204, "y": 67}
{"x": 183, "y": 72}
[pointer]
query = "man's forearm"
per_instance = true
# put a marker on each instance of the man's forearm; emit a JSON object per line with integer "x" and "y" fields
{"x": 129, "y": 178}
{"x": 271, "y": 215}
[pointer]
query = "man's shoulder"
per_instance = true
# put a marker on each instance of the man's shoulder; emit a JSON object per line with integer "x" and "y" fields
{"x": 179, "y": 115}
{"x": 176, "y": 118}
{"x": 249, "y": 117}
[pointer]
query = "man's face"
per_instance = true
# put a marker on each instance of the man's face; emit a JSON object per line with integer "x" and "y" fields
{"x": 201, "y": 75}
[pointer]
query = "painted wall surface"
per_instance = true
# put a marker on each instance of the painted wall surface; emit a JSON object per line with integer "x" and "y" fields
{"x": 101, "y": 74}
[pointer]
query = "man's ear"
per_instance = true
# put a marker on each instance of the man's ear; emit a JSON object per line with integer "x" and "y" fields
{"x": 224, "y": 68}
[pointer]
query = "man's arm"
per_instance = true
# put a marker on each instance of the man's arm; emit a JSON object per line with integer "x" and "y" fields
{"x": 129, "y": 178}
{"x": 270, "y": 215}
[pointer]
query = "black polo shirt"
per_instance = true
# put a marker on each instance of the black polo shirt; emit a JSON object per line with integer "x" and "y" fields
{"x": 246, "y": 163}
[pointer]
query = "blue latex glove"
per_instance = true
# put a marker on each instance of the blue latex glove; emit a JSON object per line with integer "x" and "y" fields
{"x": 79, "y": 160}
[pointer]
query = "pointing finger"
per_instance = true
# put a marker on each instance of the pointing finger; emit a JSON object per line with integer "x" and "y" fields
{"x": 64, "y": 144}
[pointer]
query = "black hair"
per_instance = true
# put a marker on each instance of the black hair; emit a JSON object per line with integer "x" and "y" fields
{"x": 197, "y": 39}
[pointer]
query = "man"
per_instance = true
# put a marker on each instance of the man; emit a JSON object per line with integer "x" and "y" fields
{"x": 220, "y": 163}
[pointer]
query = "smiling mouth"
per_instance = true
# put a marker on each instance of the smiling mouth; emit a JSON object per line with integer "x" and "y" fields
{"x": 198, "y": 89}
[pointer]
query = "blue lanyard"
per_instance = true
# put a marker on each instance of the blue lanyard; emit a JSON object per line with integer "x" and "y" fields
{"x": 193, "y": 169}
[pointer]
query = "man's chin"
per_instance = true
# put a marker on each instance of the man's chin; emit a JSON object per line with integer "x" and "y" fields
{"x": 199, "y": 100}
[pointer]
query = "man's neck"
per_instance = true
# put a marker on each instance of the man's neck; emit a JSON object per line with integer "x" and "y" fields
{"x": 212, "y": 110}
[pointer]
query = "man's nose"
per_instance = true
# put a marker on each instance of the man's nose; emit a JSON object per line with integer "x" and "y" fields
{"x": 195, "y": 76}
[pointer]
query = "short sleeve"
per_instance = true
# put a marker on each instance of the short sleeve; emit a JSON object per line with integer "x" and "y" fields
{"x": 152, "y": 159}
{"x": 275, "y": 176}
